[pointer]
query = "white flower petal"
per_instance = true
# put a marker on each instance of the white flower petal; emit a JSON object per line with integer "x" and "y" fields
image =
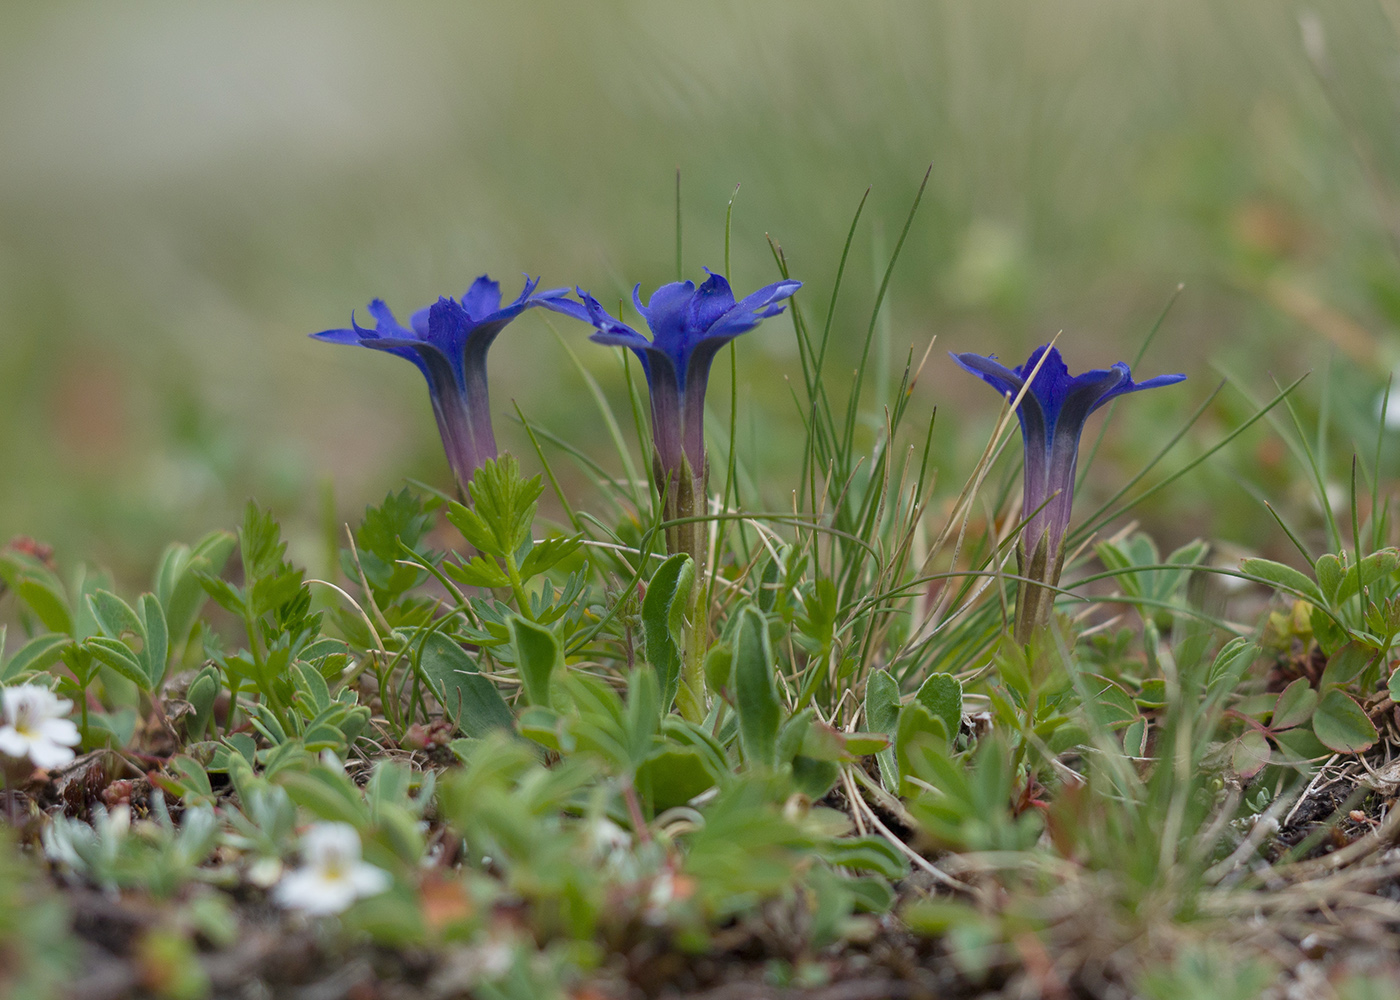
{"x": 368, "y": 880}
{"x": 12, "y": 744}
{"x": 48, "y": 755}
{"x": 60, "y": 731}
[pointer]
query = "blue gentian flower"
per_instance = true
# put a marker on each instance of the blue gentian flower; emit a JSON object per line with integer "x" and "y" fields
{"x": 1052, "y": 414}
{"x": 688, "y": 326}
{"x": 448, "y": 342}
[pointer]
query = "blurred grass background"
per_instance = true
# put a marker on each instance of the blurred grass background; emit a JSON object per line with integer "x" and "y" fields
{"x": 188, "y": 190}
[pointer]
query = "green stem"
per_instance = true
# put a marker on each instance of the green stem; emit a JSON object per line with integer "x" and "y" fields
{"x": 517, "y": 587}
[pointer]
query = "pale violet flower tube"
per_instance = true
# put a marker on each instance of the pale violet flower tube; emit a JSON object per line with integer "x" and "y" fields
{"x": 34, "y": 724}
{"x": 332, "y": 875}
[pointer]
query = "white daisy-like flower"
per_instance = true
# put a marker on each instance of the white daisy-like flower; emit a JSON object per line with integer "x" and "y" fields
{"x": 34, "y": 723}
{"x": 332, "y": 876}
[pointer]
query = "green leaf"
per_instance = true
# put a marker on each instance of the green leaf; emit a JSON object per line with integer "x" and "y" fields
{"x": 672, "y": 776}
{"x": 177, "y": 583}
{"x": 865, "y": 744}
{"x": 1341, "y": 725}
{"x": 663, "y": 620}
{"x": 1329, "y": 572}
{"x": 155, "y": 641}
{"x": 470, "y": 700}
{"x": 1346, "y": 664}
{"x": 545, "y": 727}
{"x": 755, "y": 689}
{"x": 503, "y": 507}
{"x": 868, "y": 853}
{"x": 312, "y": 690}
{"x": 202, "y": 693}
{"x": 1250, "y": 753}
{"x": 537, "y": 655}
{"x": 882, "y": 716}
{"x": 113, "y": 615}
{"x": 791, "y": 735}
{"x": 1283, "y": 577}
{"x": 478, "y": 571}
{"x": 548, "y": 553}
{"x": 644, "y": 711}
{"x": 48, "y": 602}
{"x": 916, "y": 724}
{"x": 812, "y": 777}
{"x": 941, "y": 694}
{"x": 1375, "y": 568}
{"x": 719, "y": 669}
{"x": 327, "y": 796}
{"x": 116, "y": 654}
{"x": 1295, "y": 705}
{"x": 1300, "y": 744}
{"x": 37, "y": 654}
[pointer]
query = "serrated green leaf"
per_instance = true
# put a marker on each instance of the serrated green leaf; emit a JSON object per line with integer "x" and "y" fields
{"x": 478, "y": 571}
{"x": 548, "y": 553}
{"x": 755, "y": 689}
{"x": 1341, "y": 725}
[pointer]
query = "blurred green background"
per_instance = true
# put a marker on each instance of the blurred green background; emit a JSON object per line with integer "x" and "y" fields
{"x": 188, "y": 190}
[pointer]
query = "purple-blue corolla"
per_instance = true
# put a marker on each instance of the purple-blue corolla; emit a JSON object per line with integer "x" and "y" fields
{"x": 688, "y": 326}
{"x": 448, "y": 342}
{"x": 1052, "y": 414}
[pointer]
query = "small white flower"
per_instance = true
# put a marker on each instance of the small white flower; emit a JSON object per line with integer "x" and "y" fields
{"x": 333, "y": 876}
{"x": 36, "y": 725}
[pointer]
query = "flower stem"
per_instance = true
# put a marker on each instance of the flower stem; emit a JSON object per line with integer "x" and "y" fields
{"x": 684, "y": 502}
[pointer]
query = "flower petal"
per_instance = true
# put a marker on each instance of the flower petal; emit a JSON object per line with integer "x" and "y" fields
{"x": 60, "y": 731}
{"x": 12, "y": 744}
{"x": 711, "y": 300}
{"x": 666, "y": 315}
{"x": 48, "y": 755}
{"x": 482, "y": 298}
{"x": 991, "y": 371}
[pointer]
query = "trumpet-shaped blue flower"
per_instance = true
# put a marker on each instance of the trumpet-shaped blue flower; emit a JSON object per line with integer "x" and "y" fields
{"x": 448, "y": 342}
{"x": 1052, "y": 414}
{"x": 688, "y": 326}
